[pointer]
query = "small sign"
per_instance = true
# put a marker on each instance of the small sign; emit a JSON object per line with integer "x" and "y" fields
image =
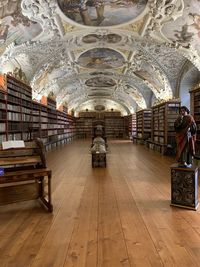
{"x": 1, "y": 171}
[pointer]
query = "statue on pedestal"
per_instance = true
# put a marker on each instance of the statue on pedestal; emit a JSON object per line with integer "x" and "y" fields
{"x": 186, "y": 129}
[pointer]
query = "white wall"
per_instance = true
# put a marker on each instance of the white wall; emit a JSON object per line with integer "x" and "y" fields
{"x": 189, "y": 80}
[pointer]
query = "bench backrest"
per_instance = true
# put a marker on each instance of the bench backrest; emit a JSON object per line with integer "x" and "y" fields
{"x": 29, "y": 157}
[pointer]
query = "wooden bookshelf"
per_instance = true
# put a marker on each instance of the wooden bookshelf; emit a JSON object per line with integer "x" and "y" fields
{"x": 53, "y": 124}
{"x": 113, "y": 123}
{"x": 84, "y": 126}
{"x": 63, "y": 109}
{"x": 163, "y": 134}
{"x": 23, "y": 118}
{"x": 128, "y": 125}
{"x": 19, "y": 106}
{"x": 143, "y": 128}
{"x": 87, "y": 114}
{"x": 134, "y": 125}
{"x": 57, "y": 127}
{"x": 114, "y": 126}
{"x": 111, "y": 114}
{"x": 3, "y": 116}
{"x": 195, "y": 111}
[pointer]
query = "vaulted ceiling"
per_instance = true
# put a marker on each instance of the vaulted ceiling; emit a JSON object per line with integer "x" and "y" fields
{"x": 123, "y": 54}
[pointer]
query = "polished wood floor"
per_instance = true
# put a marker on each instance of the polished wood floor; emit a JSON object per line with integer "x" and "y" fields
{"x": 105, "y": 217}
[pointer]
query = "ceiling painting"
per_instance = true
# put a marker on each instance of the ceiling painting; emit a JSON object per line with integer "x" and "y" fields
{"x": 124, "y": 52}
{"x": 20, "y": 34}
{"x": 14, "y": 27}
{"x": 137, "y": 25}
{"x": 186, "y": 29}
{"x": 109, "y": 38}
{"x": 159, "y": 89}
{"x": 145, "y": 75}
{"x": 79, "y": 63}
{"x": 100, "y": 82}
{"x": 101, "y": 58}
{"x": 135, "y": 94}
{"x": 101, "y": 13}
{"x": 106, "y": 73}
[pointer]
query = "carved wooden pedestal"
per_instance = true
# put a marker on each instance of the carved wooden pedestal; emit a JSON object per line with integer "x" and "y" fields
{"x": 184, "y": 187}
{"x": 98, "y": 160}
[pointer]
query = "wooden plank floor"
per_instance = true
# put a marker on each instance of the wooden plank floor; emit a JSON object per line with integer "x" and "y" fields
{"x": 110, "y": 217}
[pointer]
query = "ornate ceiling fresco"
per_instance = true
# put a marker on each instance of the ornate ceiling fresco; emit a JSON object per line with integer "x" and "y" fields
{"x": 120, "y": 54}
{"x": 14, "y": 26}
{"x": 108, "y": 38}
{"x": 186, "y": 29}
{"x": 102, "y": 13}
{"x": 101, "y": 59}
{"x": 100, "y": 82}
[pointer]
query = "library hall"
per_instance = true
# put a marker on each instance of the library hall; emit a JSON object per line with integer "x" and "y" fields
{"x": 99, "y": 133}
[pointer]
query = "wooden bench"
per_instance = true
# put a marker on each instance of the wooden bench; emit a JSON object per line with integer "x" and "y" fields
{"x": 24, "y": 174}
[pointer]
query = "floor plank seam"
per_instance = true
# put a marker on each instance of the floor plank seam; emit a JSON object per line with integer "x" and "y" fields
{"x": 121, "y": 224}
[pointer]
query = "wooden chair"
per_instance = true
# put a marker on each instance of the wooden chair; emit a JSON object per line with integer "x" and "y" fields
{"x": 24, "y": 173}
